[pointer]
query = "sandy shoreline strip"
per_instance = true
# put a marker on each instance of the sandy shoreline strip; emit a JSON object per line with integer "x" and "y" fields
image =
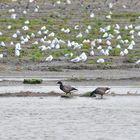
{"x": 120, "y": 77}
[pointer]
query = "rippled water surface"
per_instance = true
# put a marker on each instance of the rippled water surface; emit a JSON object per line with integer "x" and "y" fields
{"x": 55, "y": 118}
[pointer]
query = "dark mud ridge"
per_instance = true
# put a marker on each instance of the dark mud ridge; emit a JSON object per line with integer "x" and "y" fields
{"x": 56, "y": 94}
{"x": 80, "y": 67}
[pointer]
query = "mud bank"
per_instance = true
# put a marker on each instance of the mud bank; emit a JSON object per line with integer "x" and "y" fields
{"x": 56, "y": 94}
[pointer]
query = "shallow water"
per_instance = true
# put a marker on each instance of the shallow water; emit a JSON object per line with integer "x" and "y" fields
{"x": 81, "y": 89}
{"x": 55, "y": 118}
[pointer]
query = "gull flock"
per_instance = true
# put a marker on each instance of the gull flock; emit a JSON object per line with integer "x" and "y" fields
{"x": 100, "y": 46}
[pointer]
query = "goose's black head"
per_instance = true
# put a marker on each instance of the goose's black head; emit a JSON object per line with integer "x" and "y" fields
{"x": 59, "y": 82}
{"x": 107, "y": 88}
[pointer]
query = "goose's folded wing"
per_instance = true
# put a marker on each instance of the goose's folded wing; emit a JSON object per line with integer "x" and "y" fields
{"x": 67, "y": 88}
{"x": 99, "y": 91}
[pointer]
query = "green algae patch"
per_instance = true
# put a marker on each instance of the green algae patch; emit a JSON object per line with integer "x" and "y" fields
{"x": 32, "y": 81}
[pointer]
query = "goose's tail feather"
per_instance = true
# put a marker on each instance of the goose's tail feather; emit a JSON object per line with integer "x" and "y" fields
{"x": 74, "y": 89}
{"x": 92, "y": 94}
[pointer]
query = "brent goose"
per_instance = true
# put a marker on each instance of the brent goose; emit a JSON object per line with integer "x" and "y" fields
{"x": 100, "y": 90}
{"x": 66, "y": 88}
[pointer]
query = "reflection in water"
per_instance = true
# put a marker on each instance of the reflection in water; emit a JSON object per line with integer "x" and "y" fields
{"x": 55, "y": 118}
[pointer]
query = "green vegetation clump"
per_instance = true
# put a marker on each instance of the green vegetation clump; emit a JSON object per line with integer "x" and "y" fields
{"x": 115, "y": 52}
{"x": 126, "y": 14}
{"x": 87, "y": 94}
{"x": 129, "y": 59}
{"x": 36, "y": 55}
{"x": 91, "y": 61}
{"x": 132, "y": 19}
{"x": 5, "y": 38}
{"x": 32, "y": 81}
{"x": 107, "y": 63}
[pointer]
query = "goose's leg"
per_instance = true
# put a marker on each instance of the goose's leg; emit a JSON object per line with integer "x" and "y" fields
{"x": 101, "y": 96}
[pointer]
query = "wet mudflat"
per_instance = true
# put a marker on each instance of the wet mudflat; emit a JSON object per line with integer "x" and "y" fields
{"x": 81, "y": 89}
{"x": 34, "y": 118}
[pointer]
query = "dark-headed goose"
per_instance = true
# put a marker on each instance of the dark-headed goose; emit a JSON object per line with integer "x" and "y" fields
{"x": 100, "y": 90}
{"x": 66, "y": 88}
